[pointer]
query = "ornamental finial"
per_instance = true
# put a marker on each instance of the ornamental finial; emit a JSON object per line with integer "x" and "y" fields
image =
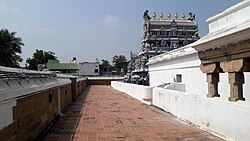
{"x": 176, "y": 16}
{"x": 161, "y": 16}
{"x": 146, "y": 17}
{"x": 191, "y": 16}
{"x": 169, "y": 16}
{"x": 155, "y": 16}
{"x": 183, "y": 16}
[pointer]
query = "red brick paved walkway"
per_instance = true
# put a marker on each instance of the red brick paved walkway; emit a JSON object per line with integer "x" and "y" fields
{"x": 104, "y": 114}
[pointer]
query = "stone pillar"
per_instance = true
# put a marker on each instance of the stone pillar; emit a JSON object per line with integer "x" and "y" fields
{"x": 212, "y": 70}
{"x": 73, "y": 89}
{"x": 236, "y": 80}
{"x": 80, "y": 86}
{"x": 59, "y": 109}
{"x": 235, "y": 69}
{"x": 213, "y": 79}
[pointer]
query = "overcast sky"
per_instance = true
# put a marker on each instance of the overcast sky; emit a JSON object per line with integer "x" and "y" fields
{"x": 89, "y": 29}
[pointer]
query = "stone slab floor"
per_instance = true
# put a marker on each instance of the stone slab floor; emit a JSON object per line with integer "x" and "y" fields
{"x": 102, "y": 113}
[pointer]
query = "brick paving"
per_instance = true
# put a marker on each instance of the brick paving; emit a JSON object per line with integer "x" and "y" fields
{"x": 102, "y": 113}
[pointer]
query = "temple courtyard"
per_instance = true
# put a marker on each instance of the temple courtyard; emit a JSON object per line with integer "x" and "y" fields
{"x": 102, "y": 113}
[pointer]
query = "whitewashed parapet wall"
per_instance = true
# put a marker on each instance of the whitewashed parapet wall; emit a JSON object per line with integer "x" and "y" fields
{"x": 229, "y": 26}
{"x": 235, "y": 17}
{"x": 226, "y": 119}
{"x": 14, "y": 85}
{"x": 139, "y": 92}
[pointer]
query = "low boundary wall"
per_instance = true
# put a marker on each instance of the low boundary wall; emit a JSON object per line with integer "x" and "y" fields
{"x": 102, "y": 80}
{"x": 31, "y": 100}
{"x": 139, "y": 92}
{"x": 26, "y": 115}
{"x": 229, "y": 120}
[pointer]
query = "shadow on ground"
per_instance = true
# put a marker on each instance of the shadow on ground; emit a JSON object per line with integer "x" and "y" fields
{"x": 64, "y": 128}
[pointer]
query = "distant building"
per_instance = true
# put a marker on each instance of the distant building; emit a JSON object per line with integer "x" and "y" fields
{"x": 89, "y": 69}
{"x": 73, "y": 60}
{"x": 105, "y": 70}
{"x": 67, "y": 68}
{"x": 41, "y": 67}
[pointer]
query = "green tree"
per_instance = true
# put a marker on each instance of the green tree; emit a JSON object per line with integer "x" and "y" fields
{"x": 120, "y": 62}
{"x": 40, "y": 57}
{"x": 105, "y": 66}
{"x": 105, "y": 63}
{"x": 10, "y": 48}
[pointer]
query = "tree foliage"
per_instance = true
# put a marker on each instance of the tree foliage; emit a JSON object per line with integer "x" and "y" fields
{"x": 120, "y": 62}
{"x": 40, "y": 57}
{"x": 105, "y": 63}
{"x": 10, "y": 48}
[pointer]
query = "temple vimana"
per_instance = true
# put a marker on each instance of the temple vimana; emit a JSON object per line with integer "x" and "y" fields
{"x": 161, "y": 34}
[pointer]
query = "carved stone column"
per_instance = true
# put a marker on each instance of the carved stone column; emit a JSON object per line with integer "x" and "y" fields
{"x": 212, "y": 71}
{"x": 236, "y": 80}
{"x": 212, "y": 80}
{"x": 235, "y": 69}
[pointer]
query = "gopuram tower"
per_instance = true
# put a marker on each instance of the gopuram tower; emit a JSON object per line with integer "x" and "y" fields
{"x": 161, "y": 35}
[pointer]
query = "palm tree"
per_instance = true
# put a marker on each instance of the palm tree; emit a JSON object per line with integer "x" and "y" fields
{"x": 10, "y": 47}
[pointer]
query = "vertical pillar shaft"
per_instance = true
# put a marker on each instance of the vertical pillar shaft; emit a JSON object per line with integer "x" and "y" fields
{"x": 73, "y": 89}
{"x": 59, "y": 109}
{"x": 213, "y": 79}
{"x": 236, "y": 80}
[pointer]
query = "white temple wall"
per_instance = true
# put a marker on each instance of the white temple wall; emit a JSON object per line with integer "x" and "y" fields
{"x": 230, "y": 17}
{"x": 224, "y": 89}
{"x": 188, "y": 67}
{"x": 193, "y": 79}
{"x": 246, "y": 87}
{"x": 229, "y": 120}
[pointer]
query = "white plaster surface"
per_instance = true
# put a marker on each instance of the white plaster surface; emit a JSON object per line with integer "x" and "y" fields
{"x": 6, "y": 113}
{"x": 88, "y": 68}
{"x": 193, "y": 80}
{"x": 176, "y": 86}
{"x": 13, "y": 89}
{"x": 7, "y": 69}
{"x": 136, "y": 91}
{"x": 17, "y": 88}
{"x": 226, "y": 119}
{"x": 105, "y": 78}
{"x": 230, "y": 26}
{"x": 231, "y": 16}
{"x": 187, "y": 65}
{"x": 60, "y": 75}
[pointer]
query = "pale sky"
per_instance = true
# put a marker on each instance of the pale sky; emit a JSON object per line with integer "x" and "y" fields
{"x": 89, "y": 29}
